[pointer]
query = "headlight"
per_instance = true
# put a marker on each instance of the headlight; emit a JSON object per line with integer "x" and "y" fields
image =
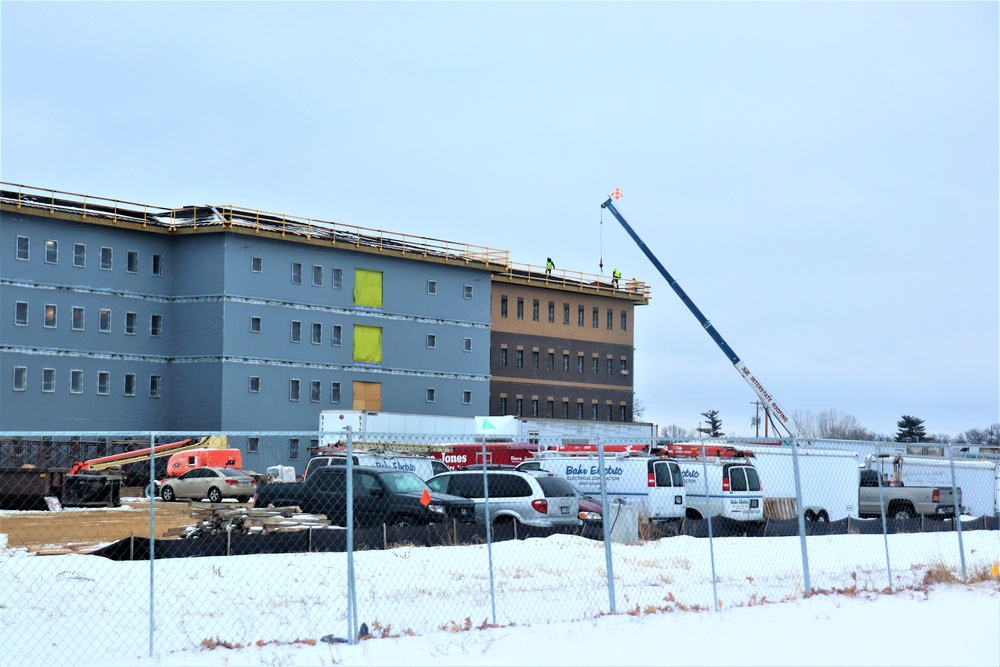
{"x": 590, "y": 516}
{"x": 436, "y": 508}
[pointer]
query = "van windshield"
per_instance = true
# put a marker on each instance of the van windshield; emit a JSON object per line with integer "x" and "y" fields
{"x": 403, "y": 482}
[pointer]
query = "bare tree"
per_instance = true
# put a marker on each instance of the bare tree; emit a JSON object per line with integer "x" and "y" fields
{"x": 831, "y": 425}
{"x": 638, "y": 409}
{"x": 675, "y": 431}
{"x": 987, "y": 437}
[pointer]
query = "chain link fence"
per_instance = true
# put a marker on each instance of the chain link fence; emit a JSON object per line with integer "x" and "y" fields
{"x": 180, "y": 544}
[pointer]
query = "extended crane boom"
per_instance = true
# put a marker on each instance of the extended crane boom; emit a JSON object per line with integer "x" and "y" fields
{"x": 136, "y": 455}
{"x": 782, "y": 418}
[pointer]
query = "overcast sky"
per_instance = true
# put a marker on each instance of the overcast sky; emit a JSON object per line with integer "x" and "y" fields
{"x": 821, "y": 178}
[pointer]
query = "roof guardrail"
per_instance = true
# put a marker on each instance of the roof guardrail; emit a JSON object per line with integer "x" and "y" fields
{"x": 229, "y": 216}
{"x": 578, "y": 280}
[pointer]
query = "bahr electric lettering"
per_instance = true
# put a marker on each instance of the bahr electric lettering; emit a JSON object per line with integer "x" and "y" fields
{"x": 583, "y": 470}
{"x": 398, "y": 465}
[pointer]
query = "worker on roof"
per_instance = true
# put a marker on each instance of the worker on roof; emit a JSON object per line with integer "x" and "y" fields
{"x": 549, "y": 265}
{"x": 615, "y": 277}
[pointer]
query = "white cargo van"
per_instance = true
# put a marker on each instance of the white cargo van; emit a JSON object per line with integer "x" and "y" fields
{"x": 425, "y": 467}
{"x": 654, "y": 484}
{"x": 732, "y": 488}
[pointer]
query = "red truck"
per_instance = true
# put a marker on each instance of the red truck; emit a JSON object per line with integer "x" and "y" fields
{"x": 458, "y": 456}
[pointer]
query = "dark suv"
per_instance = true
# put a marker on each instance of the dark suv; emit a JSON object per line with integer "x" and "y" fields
{"x": 381, "y": 496}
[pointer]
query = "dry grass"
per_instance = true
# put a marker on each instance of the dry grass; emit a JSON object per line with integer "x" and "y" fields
{"x": 939, "y": 573}
{"x": 214, "y": 643}
{"x": 935, "y": 574}
{"x": 466, "y": 626}
{"x": 379, "y": 631}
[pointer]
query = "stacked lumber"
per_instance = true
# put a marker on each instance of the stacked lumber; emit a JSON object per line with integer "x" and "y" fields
{"x": 214, "y": 519}
{"x": 64, "y": 549}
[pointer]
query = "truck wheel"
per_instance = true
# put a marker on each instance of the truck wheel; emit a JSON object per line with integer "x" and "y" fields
{"x": 810, "y": 515}
{"x": 823, "y": 517}
{"x": 403, "y": 522}
{"x": 214, "y": 495}
{"x": 168, "y": 494}
{"x": 902, "y": 512}
{"x": 692, "y": 514}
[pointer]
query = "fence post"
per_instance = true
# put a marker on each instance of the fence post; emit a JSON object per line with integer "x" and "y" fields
{"x": 489, "y": 535}
{"x": 152, "y": 539}
{"x": 604, "y": 523}
{"x": 882, "y": 513}
{"x": 708, "y": 516}
{"x": 958, "y": 510}
{"x": 801, "y": 517}
{"x": 352, "y": 600}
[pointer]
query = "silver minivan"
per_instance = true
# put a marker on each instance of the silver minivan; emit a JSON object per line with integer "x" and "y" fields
{"x": 534, "y": 499}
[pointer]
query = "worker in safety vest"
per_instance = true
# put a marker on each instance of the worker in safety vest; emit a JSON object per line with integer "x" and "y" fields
{"x": 549, "y": 265}
{"x": 615, "y": 277}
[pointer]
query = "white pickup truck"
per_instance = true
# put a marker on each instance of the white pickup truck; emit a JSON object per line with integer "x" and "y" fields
{"x": 901, "y": 501}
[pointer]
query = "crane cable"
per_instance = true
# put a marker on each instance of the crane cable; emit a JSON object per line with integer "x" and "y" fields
{"x": 601, "y": 264}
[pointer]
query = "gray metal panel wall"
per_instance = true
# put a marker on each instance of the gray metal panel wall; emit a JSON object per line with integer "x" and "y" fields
{"x": 407, "y": 316}
{"x": 65, "y": 349}
{"x": 206, "y": 352}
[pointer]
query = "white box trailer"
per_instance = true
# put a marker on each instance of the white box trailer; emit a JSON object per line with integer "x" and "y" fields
{"x": 979, "y": 480}
{"x": 399, "y": 428}
{"x": 408, "y": 428}
{"x": 655, "y": 485}
{"x": 829, "y": 480}
{"x": 554, "y": 432}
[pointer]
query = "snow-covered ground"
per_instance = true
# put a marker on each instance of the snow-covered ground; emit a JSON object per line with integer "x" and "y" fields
{"x": 433, "y": 606}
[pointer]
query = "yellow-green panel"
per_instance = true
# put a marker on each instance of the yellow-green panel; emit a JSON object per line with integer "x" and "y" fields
{"x": 367, "y": 344}
{"x": 367, "y": 288}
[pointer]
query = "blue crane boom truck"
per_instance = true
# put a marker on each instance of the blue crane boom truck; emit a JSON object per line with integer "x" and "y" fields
{"x": 778, "y": 415}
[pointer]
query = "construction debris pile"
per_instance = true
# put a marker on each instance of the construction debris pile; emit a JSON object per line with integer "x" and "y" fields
{"x": 219, "y": 519}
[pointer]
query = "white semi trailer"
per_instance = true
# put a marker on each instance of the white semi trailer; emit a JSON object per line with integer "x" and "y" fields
{"x": 398, "y": 428}
{"x": 829, "y": 481}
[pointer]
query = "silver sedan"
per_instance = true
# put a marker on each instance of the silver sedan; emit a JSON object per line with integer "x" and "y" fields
{"x": 212, "y": 483}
